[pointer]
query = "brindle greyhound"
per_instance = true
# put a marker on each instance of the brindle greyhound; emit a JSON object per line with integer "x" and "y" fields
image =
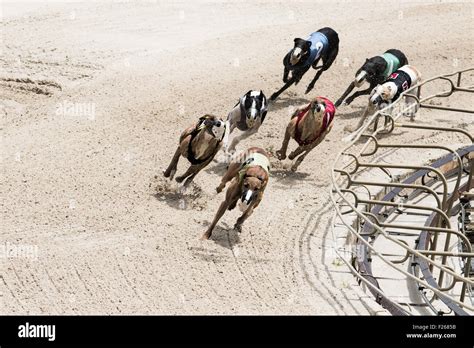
{"x": 199, "y": 144}
{"x": 308, "y": 126}
{"x": 249, "y": 177}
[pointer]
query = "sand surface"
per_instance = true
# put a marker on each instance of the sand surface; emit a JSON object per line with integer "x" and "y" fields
{"x": 84, "y": 148}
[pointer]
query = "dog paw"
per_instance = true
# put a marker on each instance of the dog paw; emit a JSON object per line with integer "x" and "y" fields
{"x": 280, "y": 155}
{"x": 294, "y": 167}
{"x": 179, "y": 179}
{"x": 238, "y": 227}
{"x": 291, "y": 156}
{"x": 219, "y": 189}
{"x": 308, "y": 89}
{"x": 273, "y": 96}
{"x": 205, "y": 236}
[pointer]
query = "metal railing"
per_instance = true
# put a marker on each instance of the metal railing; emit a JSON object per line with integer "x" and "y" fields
{"x": 366, "y": 219}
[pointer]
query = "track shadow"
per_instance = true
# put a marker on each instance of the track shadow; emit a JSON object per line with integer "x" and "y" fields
{"x": 287, "y": 177}
{"x": 181, "y": 199}
{"x": 208, "y": 255}
{"x": 217, "y": 168}
{"x": 225, "y": 236}
{"x": 347, "y": 113}
{"x": 285, "y": 102}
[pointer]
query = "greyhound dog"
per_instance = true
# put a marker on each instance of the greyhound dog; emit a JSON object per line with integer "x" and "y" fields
{"x": 308, "y": 126}
{"x": 375, "y": 71}
{"x": 385, "y": 94}
{"x": 199, "y": 144}
{"x": 322, "y": 44}
{"x": 249, "y": 177}
{"x": 247, "y": 116}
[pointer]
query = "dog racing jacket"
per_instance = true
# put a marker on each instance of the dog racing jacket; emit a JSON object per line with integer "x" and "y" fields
{"x": 393, "y": 64}
{"x": 328, "y": 117}
{"x": 200, "y": 126}
{"x": 254, "y": 159}
{"x": 319, "y": 42}
{"x": 402, "y": 79}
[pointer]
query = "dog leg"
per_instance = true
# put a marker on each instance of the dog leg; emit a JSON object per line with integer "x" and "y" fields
{"x": 281, "y": 154}
{"x": 311, "y": 84}
{"x": 307, "y": 150}
{"x": 368, "y": 110}
{"x": 190, "y": 178}
{"x": 222, "y": 208}
{"x": 345, "y": 94}
{"x": 315, "y": 64}
{"x": 228, "y": 176}
{"x": 327, "y": 62}
{"x": 231, "y": 198}
{"x": 242, "y": 136}
{"x": 285, "y": 75}
{"x": 242, "y": 218}
{"x": 297, "y": 151}
{"x": 298, "y": 161}
{"x": 284, "y": 88}
{"x": 192, "y": 170}
{"x": 358, "y": 94}
{"x": 171, "y": 170}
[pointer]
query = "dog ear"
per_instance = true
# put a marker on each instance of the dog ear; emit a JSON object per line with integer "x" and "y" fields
{"x": 299, "y": 42}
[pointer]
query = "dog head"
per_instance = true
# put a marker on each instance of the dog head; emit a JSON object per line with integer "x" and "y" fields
{"x": 370, "y": 71}
{"x": 254, "y": 104}
{"x": 299, "y": 51}
{"x": 383, "y": 94}
{"x": 317, "y": 106}
{"x": 253, "y": 183}
{"x": 214, "y": 125}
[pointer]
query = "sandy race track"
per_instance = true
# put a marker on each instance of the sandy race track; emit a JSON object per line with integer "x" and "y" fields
{"x": 83, "y": 149}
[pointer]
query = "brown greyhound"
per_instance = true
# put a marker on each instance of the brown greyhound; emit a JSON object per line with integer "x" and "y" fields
{"x": 199, "y": 144}
{"x": 308, "y": 126}
{"x": 249, "y": 174}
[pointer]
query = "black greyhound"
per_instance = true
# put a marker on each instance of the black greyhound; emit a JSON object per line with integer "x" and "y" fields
{"x": 322, "y": 44}
{"x": 375, "y": 71}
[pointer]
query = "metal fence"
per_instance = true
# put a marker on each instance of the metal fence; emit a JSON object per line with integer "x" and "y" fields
{"x": 367, "y": 208}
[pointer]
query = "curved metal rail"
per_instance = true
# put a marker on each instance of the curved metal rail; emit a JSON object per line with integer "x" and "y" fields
{"x": 436, "y": 256}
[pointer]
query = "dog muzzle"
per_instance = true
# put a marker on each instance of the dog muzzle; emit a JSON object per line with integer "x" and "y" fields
{"x": 252, "y": 117}
{"x": 218, "y": 129}
{"x": 318, "y": 108}
{"x": 360, "y": 78}
{"x": 246, "y": 200}
{"x": 376, "y": 99}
